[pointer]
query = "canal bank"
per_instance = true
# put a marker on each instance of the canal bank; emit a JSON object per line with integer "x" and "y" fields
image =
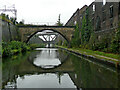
{"x": 96, "y": 56}
{"x": 72, "y": 71}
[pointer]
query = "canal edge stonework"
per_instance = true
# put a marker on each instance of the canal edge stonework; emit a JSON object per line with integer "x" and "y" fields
{"x": 93, "y": 58}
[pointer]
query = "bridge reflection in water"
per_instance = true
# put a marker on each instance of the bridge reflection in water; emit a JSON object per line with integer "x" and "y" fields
{"x": 34, "y": 70}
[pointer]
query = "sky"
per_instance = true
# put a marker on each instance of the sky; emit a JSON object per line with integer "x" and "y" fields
{"x": 44, "y": 11}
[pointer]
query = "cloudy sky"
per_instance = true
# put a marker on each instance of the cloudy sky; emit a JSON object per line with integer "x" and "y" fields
{"x": 44, "y": 11}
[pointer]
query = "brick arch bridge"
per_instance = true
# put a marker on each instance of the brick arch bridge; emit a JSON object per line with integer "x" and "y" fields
{"x": 26, "y": 32}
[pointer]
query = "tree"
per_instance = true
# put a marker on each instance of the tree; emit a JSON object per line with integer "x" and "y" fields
{"x": 13, "y": 20}
{"x": 21, "y": 22}
{"x": 59, "y": 22}
{"x": 86, "y": 29}
{"x": 76, "y": 39}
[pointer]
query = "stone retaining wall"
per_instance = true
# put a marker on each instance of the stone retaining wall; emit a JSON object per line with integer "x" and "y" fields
{"x": 8, "y": 31}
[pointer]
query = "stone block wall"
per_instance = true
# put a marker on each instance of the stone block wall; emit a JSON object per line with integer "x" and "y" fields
{"x": 9, "y": 31}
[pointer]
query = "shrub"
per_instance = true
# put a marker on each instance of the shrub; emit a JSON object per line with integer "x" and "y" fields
{"x": 25, "y": 47}
{"x": 115, "y": 43}
{"x": 115, "y": 46}
{"x": 7, "y": 51}
{"x": 33, "y": 46}
{"x": 0, "y": 50}
{"x": 13, "y": 47}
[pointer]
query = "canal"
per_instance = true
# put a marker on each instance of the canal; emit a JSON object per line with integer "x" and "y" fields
{"x": 56, "y": 68}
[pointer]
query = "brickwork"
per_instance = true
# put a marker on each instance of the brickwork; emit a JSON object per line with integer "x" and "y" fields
{"x": 104, "y": 18}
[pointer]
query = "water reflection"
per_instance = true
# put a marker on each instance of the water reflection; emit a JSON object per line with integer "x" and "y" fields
{"x": 47, "y": 58}
{"x": 24, "y": 71}
{"x": 0, "y": 72}
{"x": 40, "y": 81}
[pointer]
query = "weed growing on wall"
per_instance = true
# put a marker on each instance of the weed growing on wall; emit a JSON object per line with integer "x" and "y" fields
{"x": 115, "y": 43}
{"x": 86, "y": 29}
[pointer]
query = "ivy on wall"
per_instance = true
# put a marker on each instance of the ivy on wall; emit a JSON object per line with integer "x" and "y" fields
{"x": 86, "y": 37}
{"x": 81, "y": 37}
{"x": 76, "y": 38}
{"x": 115, "y": 43}
{"x": 86, "y": 29}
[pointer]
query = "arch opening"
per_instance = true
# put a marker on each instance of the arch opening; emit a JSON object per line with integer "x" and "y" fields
{"x": 50, "y": 61}
{"x": 53, "y": 31}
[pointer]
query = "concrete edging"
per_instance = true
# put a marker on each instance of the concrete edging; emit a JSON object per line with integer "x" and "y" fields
{"x": 92, "y": 58}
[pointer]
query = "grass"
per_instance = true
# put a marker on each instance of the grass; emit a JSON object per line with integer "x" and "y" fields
{"x": 98, "y": 54}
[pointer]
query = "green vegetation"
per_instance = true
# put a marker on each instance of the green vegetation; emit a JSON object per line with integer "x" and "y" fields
{"x": 106, "y": 44}
{"x": 59, "y": 22}
{"x": 76, "y": 39}
{"x": 82, "y": 37}
{"x": 59, "y": 42}
{"x": 86, "y": 38}
{"x": 0, "y": 50}
{"x": 86, "y": 29}
{"x": 98, "y": 54}
{"x": 14, "y": 47}
{"x": 115, "y": 43}
{"x": 85, "y": 41}
{"x": 10, "y": 19}
{"x": 65, "y": 43}
{"x": 33, "y": 46}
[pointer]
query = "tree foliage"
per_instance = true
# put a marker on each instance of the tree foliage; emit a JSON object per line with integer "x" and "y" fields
{"x": 86, "y": 29}
{"x": 59, "y": 22}
{"x": 115, "y": 43}
{"x": 76, "y": 38}
{"x": 8, "y": 19}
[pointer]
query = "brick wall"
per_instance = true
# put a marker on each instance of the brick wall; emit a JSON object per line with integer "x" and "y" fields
{"x": 101, "y": 16}
{"x": 104, "y": 18}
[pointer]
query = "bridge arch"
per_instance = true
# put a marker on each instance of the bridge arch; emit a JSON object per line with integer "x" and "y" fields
{"x": 45, "y": 30}
{"x": 27, "y": 31}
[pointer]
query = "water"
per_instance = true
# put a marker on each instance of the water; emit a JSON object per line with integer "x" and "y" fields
{"x": 55, "y": 68}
